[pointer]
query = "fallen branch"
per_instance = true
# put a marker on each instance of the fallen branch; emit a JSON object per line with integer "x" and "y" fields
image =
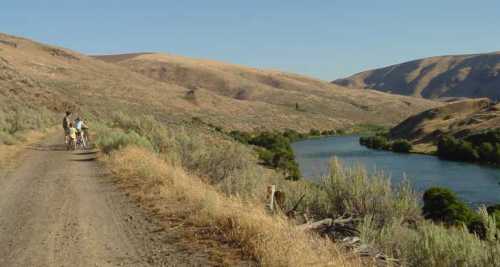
{"x": 343, "y": 231}
{"x": 316, "y": 225}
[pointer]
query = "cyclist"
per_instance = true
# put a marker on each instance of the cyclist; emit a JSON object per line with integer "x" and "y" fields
{"x": 81, "y": 130}
{"x": 65, "y": 124}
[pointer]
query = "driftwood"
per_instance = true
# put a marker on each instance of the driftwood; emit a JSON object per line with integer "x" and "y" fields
{"x": 343, "y": 231}
{"x": 316, "y": 225}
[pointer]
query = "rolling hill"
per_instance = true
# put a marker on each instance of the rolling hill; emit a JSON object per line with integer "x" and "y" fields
{"x": 269, "y": 87}
{"x": 174, "y": 88}
{"x": 457, "y": 119}
{"x": 471, "y": 76}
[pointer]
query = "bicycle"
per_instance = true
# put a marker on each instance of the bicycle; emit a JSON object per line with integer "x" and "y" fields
{"x": 81, "y": 140}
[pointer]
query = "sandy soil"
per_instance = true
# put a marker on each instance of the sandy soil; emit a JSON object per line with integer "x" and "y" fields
{"x": 59, "y": 208}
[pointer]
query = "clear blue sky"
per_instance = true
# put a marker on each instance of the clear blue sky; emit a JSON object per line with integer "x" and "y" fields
{"x": 326, "y": 39}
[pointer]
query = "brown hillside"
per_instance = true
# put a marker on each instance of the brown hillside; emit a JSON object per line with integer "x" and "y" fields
{"x": 472, "y": 76}
{"x": 458, "y": 119}
{"x": 38, "y": 75}
{"x": 267, "y": 87}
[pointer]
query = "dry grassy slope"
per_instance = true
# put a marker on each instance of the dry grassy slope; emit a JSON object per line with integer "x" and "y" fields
{"x": 323, "y": 104}
{"x": 436, "y": 77}
{"x": 457, "y": 118}
{"x": 40, "y": 75}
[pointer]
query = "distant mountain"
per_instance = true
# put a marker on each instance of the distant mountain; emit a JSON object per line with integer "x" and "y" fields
{"x": 472, "y": 76}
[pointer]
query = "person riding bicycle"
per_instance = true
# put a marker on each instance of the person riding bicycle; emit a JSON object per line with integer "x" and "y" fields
{"x": 82, "y": 133}
{"x": 65, "y": 124}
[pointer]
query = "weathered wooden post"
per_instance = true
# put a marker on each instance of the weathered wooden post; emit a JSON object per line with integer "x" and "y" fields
{"x": 271, "y": 190}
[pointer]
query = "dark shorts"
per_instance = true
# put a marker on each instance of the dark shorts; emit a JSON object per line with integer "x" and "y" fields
{"x": 66, "y": 131}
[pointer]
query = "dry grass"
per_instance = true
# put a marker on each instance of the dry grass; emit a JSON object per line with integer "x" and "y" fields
{"x": 42, "y": 75}
{"x": 353, "y": 191}
{"x": 228, "y": 198}
{"x": 271, "y": 240}
{"x": 429, "y": 244}
{"x": 273, "y": 94}
{"x": 391, "y": 221}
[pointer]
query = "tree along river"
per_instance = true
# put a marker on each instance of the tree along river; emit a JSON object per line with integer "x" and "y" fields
{"x": 475, "y": 184}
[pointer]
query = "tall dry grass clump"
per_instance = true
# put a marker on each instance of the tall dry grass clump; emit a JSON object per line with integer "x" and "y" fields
{"x": 271, "y": 240}
{"x": 353, "y": 191}
{"x": 430, "y": 244}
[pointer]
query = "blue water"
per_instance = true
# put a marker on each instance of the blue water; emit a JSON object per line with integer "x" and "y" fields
{"x": 475, "y": 184}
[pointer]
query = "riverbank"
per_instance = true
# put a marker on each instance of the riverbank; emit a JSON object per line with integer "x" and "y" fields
{"x": 475, "y": 184}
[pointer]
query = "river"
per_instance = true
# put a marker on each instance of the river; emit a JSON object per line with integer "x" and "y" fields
{"x": 475, "y": 184}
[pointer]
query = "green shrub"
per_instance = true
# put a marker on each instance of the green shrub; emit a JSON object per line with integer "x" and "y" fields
{"x": 482, "y": 147}
{"x": 376, "y": 142}
{"x": 493, "y": 208}
{"x": 488, "y": 136}
{"x": 15, "y": 121}
{"x": 7, "y": 139}
{"x": 22, "y": 118}
{"x": 314, "y": 132}
{"x": 454, "y": 149}
{"x": 279, "y": 153}
{"x": 265, "y": 155}
{"x": 442, "y": 205}
{"x": 117, "y": 139}
{"x": 241, "y": 137}
{"x": 401, "y": 146}
{"x": 487, "y": 152}
{"x": 292, "y": 135}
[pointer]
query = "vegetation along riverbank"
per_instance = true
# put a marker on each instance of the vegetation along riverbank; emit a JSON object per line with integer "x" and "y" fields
{"x": 443, "y": 231}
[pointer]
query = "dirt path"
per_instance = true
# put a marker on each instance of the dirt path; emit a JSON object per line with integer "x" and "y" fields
{"x": 58, "y": 209}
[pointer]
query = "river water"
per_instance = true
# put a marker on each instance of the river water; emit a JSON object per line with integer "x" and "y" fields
{"x": 475, "y": 184}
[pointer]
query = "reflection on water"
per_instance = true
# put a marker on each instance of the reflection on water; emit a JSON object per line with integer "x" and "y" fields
{"x": 473, "y": 183}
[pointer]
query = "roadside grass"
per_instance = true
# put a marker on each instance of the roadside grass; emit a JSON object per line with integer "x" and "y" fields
{"x": 21, "y": 125}
{"x": 17, "y": 123}
{"x": 271, "y": 240}
{"x": 429, "y": 244}
{"x": 220, "y": 161}
{"x": 218, "y": 183}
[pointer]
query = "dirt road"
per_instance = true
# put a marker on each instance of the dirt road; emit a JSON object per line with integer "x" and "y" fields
{"x": 58, "y": 209}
